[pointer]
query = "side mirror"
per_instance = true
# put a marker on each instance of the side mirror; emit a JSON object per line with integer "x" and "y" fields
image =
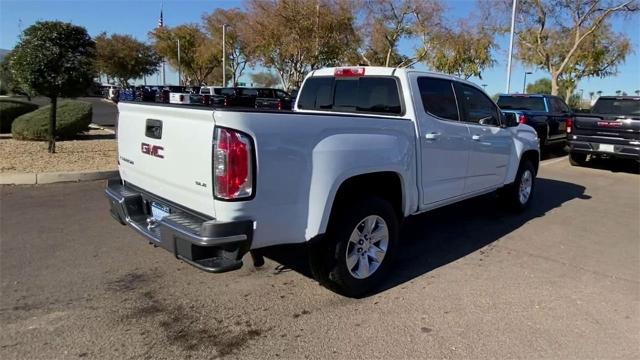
{"x": 509, "y": 119}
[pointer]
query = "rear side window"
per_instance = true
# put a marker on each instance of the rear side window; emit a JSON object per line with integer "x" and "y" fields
{"x": 227, "y": 91}
{"x": 438, "y": 97}
{"x": 205, "y": 91}
{"x": 373, "y": 94}
{"x": 265, "y": 93}
{"x": 533, "y": 103}
{"x": 248, "y": 92}
{"x": 558, "y": 106}
{"x": 281, "y": 94}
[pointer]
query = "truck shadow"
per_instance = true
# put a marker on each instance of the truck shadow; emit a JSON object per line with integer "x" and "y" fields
{"x": 614, "y": 165}
{"x": 439, "y": 237}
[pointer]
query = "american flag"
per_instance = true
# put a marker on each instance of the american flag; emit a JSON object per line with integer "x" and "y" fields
{"x": 161, "y": 21}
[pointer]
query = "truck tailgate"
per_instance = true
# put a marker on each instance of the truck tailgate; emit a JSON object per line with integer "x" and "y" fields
{"x": 607, "y": 126}
{"x": 167, "y": 151}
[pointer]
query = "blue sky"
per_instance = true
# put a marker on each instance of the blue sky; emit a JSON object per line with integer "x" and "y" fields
{"x": 138, "y": 17}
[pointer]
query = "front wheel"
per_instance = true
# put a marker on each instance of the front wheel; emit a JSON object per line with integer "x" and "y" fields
{"x": 359, "y": 248}
{"x": 518, "y": 195}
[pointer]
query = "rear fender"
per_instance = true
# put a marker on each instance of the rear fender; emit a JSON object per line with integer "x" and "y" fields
{"x": 339, "y": 157}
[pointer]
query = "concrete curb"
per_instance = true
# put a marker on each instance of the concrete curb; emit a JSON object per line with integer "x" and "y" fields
{"x": 55, "y": 177}
{"x": 98, "y": 127}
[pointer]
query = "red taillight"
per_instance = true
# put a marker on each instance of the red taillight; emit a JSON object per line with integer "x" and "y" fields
{"x": 569, "y": 125}
{"x": 348, "y": 72}
{"x": 226, "y": 101}
{"x": 522, "y": 119}
{"x": 232, "y": 164}
{"x": 279, "y": 104}
{"x": 181, "y": 98}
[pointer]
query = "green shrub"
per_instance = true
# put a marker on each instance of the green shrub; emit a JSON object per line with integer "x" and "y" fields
{"x": 73, "y": 117}
{"x": 10, "y": 109}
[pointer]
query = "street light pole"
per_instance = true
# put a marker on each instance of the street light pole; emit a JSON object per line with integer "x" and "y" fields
{"x": 484, "y": 86}
{"x": 179, "y": 66}
{"x": 224, "y": 55}
{"x": 513, "y": 24}
{"x": 524, "y": 85}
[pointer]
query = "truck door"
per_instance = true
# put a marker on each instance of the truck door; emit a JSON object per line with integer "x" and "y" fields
{"x": 443, "y": 140}
{"x": 559, "y": 112}
{"x": 490, "y": 144}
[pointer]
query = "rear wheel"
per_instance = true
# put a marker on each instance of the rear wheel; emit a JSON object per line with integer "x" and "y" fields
{"x": 577, "y": 159}
{"x": 359, "y": 247}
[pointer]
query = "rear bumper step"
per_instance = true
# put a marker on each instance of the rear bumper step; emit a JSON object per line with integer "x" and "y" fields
{"x": 628, "y": 151}
{"x": 209, "y": 245}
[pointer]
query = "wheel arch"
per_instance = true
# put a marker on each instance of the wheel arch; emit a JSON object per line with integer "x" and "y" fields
{"x": 533, "y": 156}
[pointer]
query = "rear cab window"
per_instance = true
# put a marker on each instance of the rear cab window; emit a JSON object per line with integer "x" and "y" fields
{"x": 628, "y": 106}
{"x": 532, "y": 103}
{"x": 378, "y": 95}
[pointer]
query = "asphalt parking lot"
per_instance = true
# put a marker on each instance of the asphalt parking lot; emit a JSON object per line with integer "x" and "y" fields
{"x": 473, "y": 281}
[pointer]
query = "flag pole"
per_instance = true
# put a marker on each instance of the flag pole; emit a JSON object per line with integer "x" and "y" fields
{"x": 513, "y": 23}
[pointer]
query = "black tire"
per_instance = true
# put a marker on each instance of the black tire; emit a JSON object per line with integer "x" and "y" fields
{"x": 328, "y": 258}
{"x": 577, "y": 159}
{"x": 511, "y": 193}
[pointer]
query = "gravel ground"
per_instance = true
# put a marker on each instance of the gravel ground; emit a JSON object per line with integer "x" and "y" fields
{"x": 95, "y": 151}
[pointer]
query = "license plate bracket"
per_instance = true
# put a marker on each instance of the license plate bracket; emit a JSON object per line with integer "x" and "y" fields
{"x": 159, "y": 211}
{"x": 606, "y": 148}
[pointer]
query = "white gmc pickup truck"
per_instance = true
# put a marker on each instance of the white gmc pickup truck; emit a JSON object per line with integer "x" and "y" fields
{"x": 364, "y": 148}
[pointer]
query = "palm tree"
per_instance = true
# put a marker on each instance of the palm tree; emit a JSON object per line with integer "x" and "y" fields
{"x": 591, "y": 93}
{"x": 599, "y": 92}
{"x": 638, "y": 92}
{"x": 618, "y": 92}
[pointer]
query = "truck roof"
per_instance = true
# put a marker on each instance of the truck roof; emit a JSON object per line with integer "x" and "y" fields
{"x": 388, "y": 71}
{"x": 620, "y": 97}
{"x": 528, "y": 95}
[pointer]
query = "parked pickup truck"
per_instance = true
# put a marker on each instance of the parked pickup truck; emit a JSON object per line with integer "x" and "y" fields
{"x": 612, "y": 129}
{"x": 364, "y": 148}
{"x": 547, "y": 114}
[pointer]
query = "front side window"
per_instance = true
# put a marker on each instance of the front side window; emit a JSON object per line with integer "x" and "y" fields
{"x": 438, "y": 97}
{"x": 373, "y": 94}
{"x": 477, "y": 107}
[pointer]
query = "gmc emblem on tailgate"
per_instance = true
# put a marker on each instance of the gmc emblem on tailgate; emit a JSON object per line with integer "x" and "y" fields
{"x": 609, "y": 124}
{"x": 153, "y": 150}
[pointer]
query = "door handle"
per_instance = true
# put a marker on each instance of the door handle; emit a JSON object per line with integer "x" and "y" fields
{"x": 475, "y": 137}
{"x": 432, "y": 136}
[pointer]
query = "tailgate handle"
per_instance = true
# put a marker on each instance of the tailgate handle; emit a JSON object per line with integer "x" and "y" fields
{"x": 153, "y": 129}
